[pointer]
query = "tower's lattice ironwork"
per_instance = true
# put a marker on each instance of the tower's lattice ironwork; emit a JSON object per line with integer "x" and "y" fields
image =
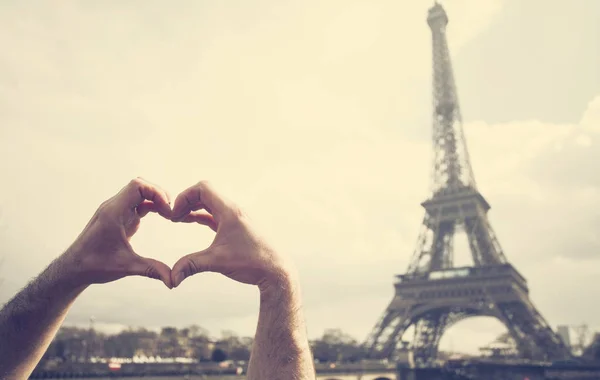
{"x": 433, "y": 294}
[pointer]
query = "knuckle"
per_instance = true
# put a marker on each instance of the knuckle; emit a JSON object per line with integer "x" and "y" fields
{"x": 103, "y": 205}
{"x": 104, "y": 209}
{"x": 151, "y": 272}
{"x": 189, "y": 267}
{"x": 234, "y": 212}
{"x": 136, "y": 181}
{"x": 238, "y": 212}
{"x": 204, "y": 184}
{"x": 108, "y": 211}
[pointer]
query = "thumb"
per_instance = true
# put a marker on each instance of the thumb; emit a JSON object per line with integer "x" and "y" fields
{"x": 191, "y": 264}
{"x": 151, "y": 268}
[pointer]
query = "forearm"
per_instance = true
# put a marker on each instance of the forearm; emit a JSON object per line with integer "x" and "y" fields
{"x": 29, "y": 322}
{"x": 281, "y": 349}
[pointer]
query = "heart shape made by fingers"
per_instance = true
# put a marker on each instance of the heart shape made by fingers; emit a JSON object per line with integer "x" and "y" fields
{"x": 169, "y": 242}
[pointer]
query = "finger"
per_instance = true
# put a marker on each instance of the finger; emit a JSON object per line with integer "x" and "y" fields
{"x": 140, "y": 190}
{"x": 188, "y": 207}
{"x": 191, "y": 264}
{"x": 201, "y": 218}
{"x": 201, "y": 195}
{"x": 151, "y": 268}
{"x": 145, "y": 207}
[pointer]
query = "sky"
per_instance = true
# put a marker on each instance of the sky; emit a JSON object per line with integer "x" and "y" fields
{"x": 315, "y": 117}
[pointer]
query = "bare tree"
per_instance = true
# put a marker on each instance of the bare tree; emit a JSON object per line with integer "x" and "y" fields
{"x": 582, "y": 337}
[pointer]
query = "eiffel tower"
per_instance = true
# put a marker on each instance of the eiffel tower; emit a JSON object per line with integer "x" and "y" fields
{"x": 434, "y": 294}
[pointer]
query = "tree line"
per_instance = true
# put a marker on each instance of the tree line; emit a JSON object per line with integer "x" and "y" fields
{"x": 73, "y": 344}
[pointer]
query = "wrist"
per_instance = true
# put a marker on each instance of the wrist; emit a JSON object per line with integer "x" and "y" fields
{"x": 281, "y": 286}
{"x": 67, "y": 269}
{"x": 56, "y": 285}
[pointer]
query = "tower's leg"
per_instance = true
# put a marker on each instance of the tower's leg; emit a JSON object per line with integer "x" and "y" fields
{"x": 428, "y": 332}
{"x": 485, "y": 248}
{"x": 379, "y": 335}
{"x": 441, "y": 257}
{"x": 387, "y": 335}
{"x": 421, "y": 250}
{"x": 534, "y": 337}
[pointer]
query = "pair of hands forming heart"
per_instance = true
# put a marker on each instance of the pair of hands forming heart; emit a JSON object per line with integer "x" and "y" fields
{"x": 102, "y": 252}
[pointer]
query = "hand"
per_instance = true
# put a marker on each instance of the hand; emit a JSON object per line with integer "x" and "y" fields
{"x": 236, "y": 252}
{"x": 102, "y": 252}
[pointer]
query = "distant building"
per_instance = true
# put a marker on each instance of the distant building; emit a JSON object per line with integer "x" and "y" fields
{"x": 563, "y": 332}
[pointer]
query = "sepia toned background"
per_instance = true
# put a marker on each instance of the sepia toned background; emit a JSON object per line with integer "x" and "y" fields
{"x": 315, "y": 117}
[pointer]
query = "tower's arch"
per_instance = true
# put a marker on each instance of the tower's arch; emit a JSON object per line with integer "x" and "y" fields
{"x": 470, "y": 334}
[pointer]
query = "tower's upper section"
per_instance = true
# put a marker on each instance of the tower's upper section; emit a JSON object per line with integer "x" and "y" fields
{"x": 437, "y": 17}
{"x": 452, "y": 171}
